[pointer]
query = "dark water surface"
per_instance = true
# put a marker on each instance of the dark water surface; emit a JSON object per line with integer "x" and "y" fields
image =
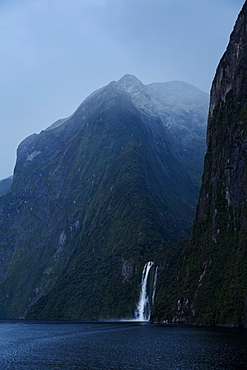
{"x": 53, "y": 345}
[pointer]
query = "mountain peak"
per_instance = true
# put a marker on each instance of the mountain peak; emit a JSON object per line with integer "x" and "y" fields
{"x": 129, "y": 78}
{"x": 110, "y": 186}
{"x": 130, "y": 83}
{"x": 162, "y": 98}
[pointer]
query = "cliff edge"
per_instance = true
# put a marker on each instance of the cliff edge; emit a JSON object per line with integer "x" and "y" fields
{"x": 211, "y": 286}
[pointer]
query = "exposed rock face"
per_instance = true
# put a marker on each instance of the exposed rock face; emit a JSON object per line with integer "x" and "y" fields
{"x": 97, "y": 195}
{"x": 5, "y": 185}
{"x": 213, "y": 268}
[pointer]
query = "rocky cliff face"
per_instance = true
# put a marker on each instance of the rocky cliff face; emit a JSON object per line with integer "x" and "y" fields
{"x": 96, "y": 196}
{"x": 5, "y": 185}
{"x": 213, "y": 267}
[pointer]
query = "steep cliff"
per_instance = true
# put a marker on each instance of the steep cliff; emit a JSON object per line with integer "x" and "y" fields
{"x": 96, "y": 196}
{"x": 211, "y": 285}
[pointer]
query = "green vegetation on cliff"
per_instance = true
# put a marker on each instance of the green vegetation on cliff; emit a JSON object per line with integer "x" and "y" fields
{"x": 96, "y": 197}
{"x": 211, "y": 281}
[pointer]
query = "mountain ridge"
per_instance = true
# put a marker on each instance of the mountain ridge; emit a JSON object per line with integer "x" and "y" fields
{"x": 98, "y": 195}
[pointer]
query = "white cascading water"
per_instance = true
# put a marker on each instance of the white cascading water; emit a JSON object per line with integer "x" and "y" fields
{"x": 143, "y": 311}
{"x": 155, "y": 282}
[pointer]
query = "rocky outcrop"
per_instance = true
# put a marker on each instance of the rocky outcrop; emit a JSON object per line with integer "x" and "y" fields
{"x": 213, "y": 266}
{"x": 5, "y": 185}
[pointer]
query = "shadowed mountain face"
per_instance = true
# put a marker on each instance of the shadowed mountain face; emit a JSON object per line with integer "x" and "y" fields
{"x": 96, "y": 196}
{"x": 212, "y": 280}
{"x": 5, "y": 185}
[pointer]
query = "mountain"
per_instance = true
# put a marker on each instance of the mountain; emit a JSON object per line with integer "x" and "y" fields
{"x": 5, "y": 185}
{"x": 97, "y": 195}
{"x": 211, "y": 284}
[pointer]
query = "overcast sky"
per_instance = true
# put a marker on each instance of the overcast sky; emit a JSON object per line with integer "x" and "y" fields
{"x": 54, "y": 53}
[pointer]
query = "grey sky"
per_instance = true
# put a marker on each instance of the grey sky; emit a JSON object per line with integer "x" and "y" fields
{"x": 54, "y": 53}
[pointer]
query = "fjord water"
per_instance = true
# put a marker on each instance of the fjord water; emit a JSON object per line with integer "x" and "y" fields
{"x": 123, "y": 345}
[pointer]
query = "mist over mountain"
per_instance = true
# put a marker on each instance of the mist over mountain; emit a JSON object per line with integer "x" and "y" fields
{"x": 105, "y": 202}
{"x": 96, "y": 196}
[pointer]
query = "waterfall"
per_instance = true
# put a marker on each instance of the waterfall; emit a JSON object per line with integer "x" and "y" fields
{"x": 154, "y": 285}
{"x": 143, "y": 311}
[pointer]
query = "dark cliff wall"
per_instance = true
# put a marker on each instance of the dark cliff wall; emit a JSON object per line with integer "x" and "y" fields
{"x": 212, "y": 275}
